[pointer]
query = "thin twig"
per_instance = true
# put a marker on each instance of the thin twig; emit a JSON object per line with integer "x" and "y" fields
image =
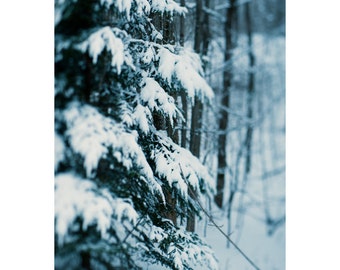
{"x": 214, "y": 223}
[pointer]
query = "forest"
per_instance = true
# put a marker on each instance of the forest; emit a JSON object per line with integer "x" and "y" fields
{"x": 169, "y": 136}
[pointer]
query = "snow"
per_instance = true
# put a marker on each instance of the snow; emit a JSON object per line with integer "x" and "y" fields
{"x": 143, "y": 5}
{"x": 126, "y": 114}
{"x": 91, "y": 135}
{"x": 88, "y": 136}
{"x": 149, "y": 55}
{"x": 168, "y": 6}
{"x": 156, "y": 234}
{"x": 123, "y": 6}
{"x": 167, "y": 62}
{"x": 141, "y": 116}
{"x": 185, "y": 67}
{"x": 157, "y": 99}
{"x": 267, "y": 252}
{"x": 180, "y": 168}
{"x": 185, "y": 250}
{"x": 59, "y": 149}
{"x": 106, "y": 39}
{"x": 76, "y": 197}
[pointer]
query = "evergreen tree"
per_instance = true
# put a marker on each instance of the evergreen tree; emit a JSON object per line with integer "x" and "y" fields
{"x": 113, "y": 163}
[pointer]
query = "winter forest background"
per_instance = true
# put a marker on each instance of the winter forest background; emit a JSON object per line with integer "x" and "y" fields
{"x": 169, "y": 134}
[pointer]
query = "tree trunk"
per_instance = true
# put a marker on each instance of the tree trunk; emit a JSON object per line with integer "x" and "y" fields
{"x": 198, "y": 26}
{"x": 205, "y": 33}
{"x": 157, "y": 21}
{"x": 224, "y": 117}
{"x": 170, "y": 197}
{"x": 250, "y": 99}
{"x": 184, "y": 100}
{"x": 196, "y": 126}
{"x": 183, "y": 95}
{"x": 251, "y": 86}
{"x": 197, "y": 109}
{"x": 182, "y": 26}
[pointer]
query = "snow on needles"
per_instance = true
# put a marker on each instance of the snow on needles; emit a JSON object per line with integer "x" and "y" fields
{"x": 91, "y": 135}
{"x": 179, "y": 167}
{"x": 76, "y": 197}
{"x": 157, "y": 99}
{"x": 195, "y": 252}
{"x": 185, "y": 67}
{"x": 168, "y": 6}
{"x": 124, "y": 6}
{"x": 106, "y": 39}
{"x": 141, "y": 115}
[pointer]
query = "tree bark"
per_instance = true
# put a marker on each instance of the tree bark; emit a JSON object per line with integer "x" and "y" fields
{"x": 170, "y": 197}
{"x": 183, "y": 95}
{"x": 182, "y": 26}
{"x": 197, "y": 108}
{"x": 205, "y": 33}
{"x": 224, "y": 116}
{"x": 251, "y": 85}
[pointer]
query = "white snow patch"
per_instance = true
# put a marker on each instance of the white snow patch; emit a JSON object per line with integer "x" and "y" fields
{"x": 168, "y": 6}
{"x": 157, "y": 99}
{"x": 178, "y": 166}
{"x": 91, "y": 134}
{"x": 106, "y": 39}
{"x": 141, "y": 116}
{"x": 76, "y": 197}
{"x": 185, "y": 67}
{"x": 123, "y": 6}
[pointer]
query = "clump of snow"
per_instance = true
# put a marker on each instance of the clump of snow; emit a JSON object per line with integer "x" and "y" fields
{"x": 157, "y": 234}
{"x": 168, "y": 6}
{"x": 105, "y": 38}
{"x": 157, "y": 99}
{"x": 91, "y": 135}
{"x": 141, "y": 116}
{"x": 123, "y": 6}
{"x": 126, "y": 114}
{"x": 167, "y": 63}
{"x": 143, "y": 5}
{"x": 178, "y": 256}
{"x": 149, "y": 55}
{"x": 76, "y": 197}
{"x": 185, "y": 67}
{"x": 179, "y": 167}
